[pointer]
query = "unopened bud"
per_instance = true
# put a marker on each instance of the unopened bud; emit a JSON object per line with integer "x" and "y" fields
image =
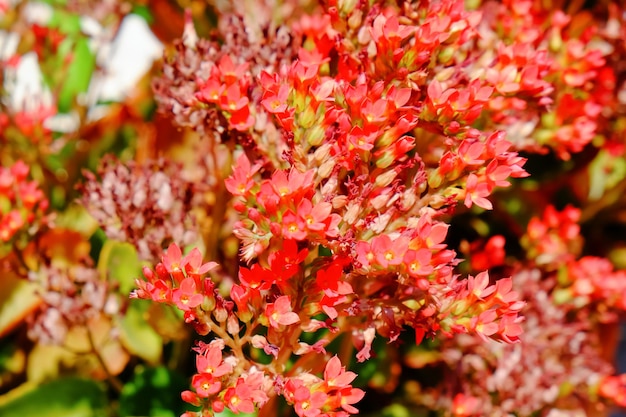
{"x": 307, "y": 118}
{"x": 339, "y": 201}
{"x": 148, "y": 273}
{"x": 355, "y": 20}
{"x": 322, "y": 153}
{"x": 221, "y": 314}
{"x": 315, "y": 135}
{"x": 380, "y": 201}
{"x": 435, "y": 179}
{"x": 446, "y": 54}
{"x": 232, "y": 325}
{"x": 208, "y": 304}
{"x": 254, "y": 215}
{"x": 385, "y": 159}
{"x": 385, "y": 178}
{"x": 352, "y": 213}
{"x": 326, "y": 168}
{"x": 347, "y": 6}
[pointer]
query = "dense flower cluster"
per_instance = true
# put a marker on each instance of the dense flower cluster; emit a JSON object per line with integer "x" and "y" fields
{"x": 344, "y": 234}
{"x": 72, "y": 296}
{"x": 22, "y": 202}
{"x": 331, "y": 160}
{"x": 541, "y": 62}
{"x": 147, "y": 205}
{"x": 567, "y": 299}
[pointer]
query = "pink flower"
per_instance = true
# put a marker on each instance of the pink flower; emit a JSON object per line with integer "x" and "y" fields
{"x": 192, "y": 263}
{"x": 186, "y": 296}
{"x": 211, "y": 362}
{"x": 389, "y": 252}
{"x": 336, "y": 376}
{"x": 240, "y": 182}
{"x": 280, "y": 313}
{"x": 477, "y": 193}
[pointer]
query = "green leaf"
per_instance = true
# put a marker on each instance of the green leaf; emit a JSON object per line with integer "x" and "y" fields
{"x": 17, "y": 299}
{"x": 67, "y": 23}
{"x": 605, "y": 172}
{"x": 78, "y": 75}
{"x": 119, "y": 262}
{"x": 67, "y": 397}
{"x": 228, "y": 413}
{"x": 76, "y": 218}
{"x": 154, "y": 392}
{"x": 137, "y": 336}
{"x": 144, "y": 12}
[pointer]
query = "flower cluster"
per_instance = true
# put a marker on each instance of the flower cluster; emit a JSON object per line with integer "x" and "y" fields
{"x": 225, "y": 376}
{"x": 147, "y": 205}
{"x": 71, "y": 296}
{"x": 541, "y": 62}
{"x": 568, "y": 301}
{"x": 22, "y": 202}
{"x": 344, "y": 234}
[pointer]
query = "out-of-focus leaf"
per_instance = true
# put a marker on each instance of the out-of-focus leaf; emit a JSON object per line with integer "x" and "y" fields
{"x": 153, "y": 392}
{"x": 105, "y": 342}
{"x": 605, "y": 171}
{"x": 76, "y": 218}
{"x": 45, "y": 362}
{"x": 68, "y": 397}
{"x": 78, "y": 75}
{"x": 119, "y": 261}
{"x": 137, "y": 335}
{"x": 228, "y": 413}
{"x": 418, "y": 358}
{"x": 144, "y": 12}
{"x": 64, "y": 246}
{"x": 12, "y": 362}
{"x": 168, "y": 22}
{"x": 167, "y": 321}
{"x": 67, "y": 23}
{"x": 396, "y": 410}
{"x": 17, "y": 300}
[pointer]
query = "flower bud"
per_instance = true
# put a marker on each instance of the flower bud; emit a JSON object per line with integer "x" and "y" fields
{"x": 385, "y": 159}
{"x": 347, "y": 6}
{"x": 326, "y": 169}
{"x": 221, "y": 314}
{"x": 232, "y": 325}
{"x": 307, "y": 118}
{"x": 148, "y": 273}
{"x": 385, "y": 178}
{"x": 315, "y": 135}
{"x": 356, "y": 19}
{"x": 208, "y": 304}
{"x": 254, "y": 215}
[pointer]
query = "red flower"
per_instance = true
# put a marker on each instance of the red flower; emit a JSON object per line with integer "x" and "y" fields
{"x": 241, "y": 119}
{"x": 211, "y": 91}
{"x": 192, "y": 263}
{"x": 205, "y": 385}
{"x": 277, "y": 103}
{"x": 233, "y": 100}
{"x": 229, "y": 72}
{"x": 308, "y": 404}
{"x": 418, "y": 262}
{"x": 256, "y": 277}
